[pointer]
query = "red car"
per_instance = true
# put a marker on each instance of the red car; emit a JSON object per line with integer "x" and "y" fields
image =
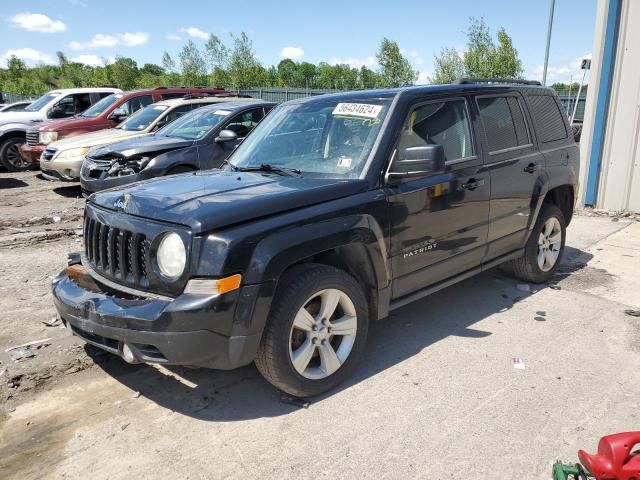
{"x": 107, "y": 113}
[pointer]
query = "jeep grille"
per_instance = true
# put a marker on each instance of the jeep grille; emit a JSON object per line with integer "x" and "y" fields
{"x": 116, "y": 253}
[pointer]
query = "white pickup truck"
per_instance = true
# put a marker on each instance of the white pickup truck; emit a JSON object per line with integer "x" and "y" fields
{"x": 55, "y": 104}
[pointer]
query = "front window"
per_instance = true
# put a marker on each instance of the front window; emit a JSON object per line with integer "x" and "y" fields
{"x": 72, "y": 105}
{"x": 194, "y": 125}
{"x": 443, "y": 123}
{"x": 41, "y": 102}
{"x": 327, "y": 138}
{"x": 101, "y": 106}
{"x": 142, "y": 118}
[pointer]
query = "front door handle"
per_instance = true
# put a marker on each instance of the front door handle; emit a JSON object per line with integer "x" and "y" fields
{"x": 473, "y": 183}
{"x": 532, "y": 167}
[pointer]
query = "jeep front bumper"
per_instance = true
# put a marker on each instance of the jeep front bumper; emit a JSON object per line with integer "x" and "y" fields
{"x": 187, "y": 330}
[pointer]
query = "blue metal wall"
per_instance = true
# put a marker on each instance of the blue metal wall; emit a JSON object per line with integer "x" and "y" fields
{"x": 602, "y": 102}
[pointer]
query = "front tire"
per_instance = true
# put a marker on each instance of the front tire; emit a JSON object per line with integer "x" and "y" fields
{"x": 316, "y": 331}
{"x": 10, "y": 156}
{"x": 544, "y": 249}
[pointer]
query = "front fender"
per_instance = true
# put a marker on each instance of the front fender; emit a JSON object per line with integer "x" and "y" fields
{"x": 278, "y": 251}
{"x": 9, "y": 129}
{"x": 197, "y": 158}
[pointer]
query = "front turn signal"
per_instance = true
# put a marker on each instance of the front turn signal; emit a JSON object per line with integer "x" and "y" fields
{"x": 213, "y": 286}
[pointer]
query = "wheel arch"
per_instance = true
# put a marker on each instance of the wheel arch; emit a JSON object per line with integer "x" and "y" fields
{"x": 563, "y": 197}
{"x": 354, "y": 244}
{"x": 12, "y": 133}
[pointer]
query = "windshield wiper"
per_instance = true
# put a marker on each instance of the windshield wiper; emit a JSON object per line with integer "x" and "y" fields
{"x": 265, "y": 167}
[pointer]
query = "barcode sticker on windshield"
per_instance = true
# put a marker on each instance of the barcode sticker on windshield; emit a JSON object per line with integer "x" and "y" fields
{"x": 344, "y": 162}
{"x": 222, "y": 112}
{"x": 363, "y": 110}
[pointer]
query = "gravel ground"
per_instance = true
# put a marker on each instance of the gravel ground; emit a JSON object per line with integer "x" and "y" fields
{"x": 40, "y": 222}
{"x": 436, "y": 396}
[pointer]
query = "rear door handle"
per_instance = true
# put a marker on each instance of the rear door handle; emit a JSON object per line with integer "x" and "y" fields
{"x": 473, "y": 183}
{"x": 532, "y": 167}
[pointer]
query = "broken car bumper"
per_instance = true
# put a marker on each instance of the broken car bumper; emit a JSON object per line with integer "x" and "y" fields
{"x": 178, "y": 331}
{"x": 31, "y": 153}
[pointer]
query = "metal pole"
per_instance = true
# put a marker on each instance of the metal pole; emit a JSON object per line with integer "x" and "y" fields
{"x": 546, "y": 54}
{"x": 575, "y": 107}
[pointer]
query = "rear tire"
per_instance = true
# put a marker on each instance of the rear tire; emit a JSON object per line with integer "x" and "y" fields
{"x": 10, "y": 156}
{"x": 544, "y": 249}
{"x": 316, "y": 331}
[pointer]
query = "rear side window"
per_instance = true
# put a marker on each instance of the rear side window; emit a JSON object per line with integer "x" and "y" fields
{"x": 503, "y": 122}
{"x": 136, "y": 103}
{"x": 178, "y": 112}
{"x": 440, "y": 123}
{"x": 550, "y": 125}
{"x": 244, "y": 123}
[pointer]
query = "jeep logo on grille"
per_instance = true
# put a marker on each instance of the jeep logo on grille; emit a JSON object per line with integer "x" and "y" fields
{"x": 122, "y": 202}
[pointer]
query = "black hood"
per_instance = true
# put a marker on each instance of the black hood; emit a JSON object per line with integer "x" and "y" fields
{"x": 211, "y": 200}
{"x": 141, "y": 146}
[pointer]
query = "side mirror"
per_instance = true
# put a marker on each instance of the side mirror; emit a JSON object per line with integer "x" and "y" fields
{"x": 226, "y": 136}
{"x": 419, "y": 161}
{"x": 56, "y": 112}
{"x": 118, "y": 115}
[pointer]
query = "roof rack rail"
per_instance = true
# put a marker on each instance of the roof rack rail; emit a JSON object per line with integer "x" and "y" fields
{"x": 470, "y": 80}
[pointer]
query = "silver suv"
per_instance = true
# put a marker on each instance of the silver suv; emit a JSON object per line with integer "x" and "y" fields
{"x": 56, "y": 104}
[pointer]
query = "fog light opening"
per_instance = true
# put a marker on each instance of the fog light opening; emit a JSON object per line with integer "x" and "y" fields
{"x": 128, "y": 355}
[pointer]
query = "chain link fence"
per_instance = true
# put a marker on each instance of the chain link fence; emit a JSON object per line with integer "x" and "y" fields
{"x": 568, "y": 102}
{"x": 281, "y": 94}
{"x": 271, "y": 94}
{"x": 6, "y": 97}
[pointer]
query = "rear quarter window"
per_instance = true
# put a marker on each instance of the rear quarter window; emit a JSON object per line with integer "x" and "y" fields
{"x": 550, "y": 125}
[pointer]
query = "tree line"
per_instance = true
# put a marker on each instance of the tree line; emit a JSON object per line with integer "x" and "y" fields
{"x": 235, "y": 65}
{"x": 216, "y": 64}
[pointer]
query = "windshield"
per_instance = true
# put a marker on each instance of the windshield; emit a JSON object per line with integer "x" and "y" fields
{"x": 324, "y": 138}
{"x": 101, "y": 106}
{"x": 194, "y": 125}
{"x": 142, "y": 118}
{"x": 41, "y": 102}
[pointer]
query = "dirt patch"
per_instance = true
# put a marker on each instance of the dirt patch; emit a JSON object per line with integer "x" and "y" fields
{"x": 39, "y": 226}
{"x": 584, "y": 278}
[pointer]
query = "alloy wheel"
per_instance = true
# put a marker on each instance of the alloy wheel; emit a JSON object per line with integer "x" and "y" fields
{"x": 549, "y": 244}
{"x": 13, "y": 156}
{"x": 323, "y": 334}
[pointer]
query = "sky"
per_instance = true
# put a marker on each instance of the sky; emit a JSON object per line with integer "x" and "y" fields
{"x": 334, "y": 31}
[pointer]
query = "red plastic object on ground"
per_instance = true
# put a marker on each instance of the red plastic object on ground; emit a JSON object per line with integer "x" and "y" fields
{"x": 614, "y": 460}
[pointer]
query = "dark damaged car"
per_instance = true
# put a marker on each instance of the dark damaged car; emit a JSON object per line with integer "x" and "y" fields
{"x": 336, "y": 210}
{"x": 199, "y": 140}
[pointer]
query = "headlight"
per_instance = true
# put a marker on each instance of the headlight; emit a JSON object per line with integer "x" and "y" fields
{"x": 172, "y": 256}
{"x": 71, "y": 153}
{"x": 47, "y": 137}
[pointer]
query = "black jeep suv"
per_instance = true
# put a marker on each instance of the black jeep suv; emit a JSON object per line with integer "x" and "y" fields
{"x": 334, "y": 211}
